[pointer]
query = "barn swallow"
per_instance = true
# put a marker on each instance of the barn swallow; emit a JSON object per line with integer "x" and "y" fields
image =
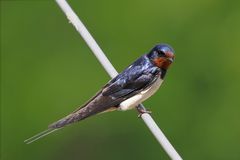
{"x": 127, "y": 90}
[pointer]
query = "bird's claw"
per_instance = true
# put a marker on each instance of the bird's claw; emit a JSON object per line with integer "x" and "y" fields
{"x": 142, "y": 111}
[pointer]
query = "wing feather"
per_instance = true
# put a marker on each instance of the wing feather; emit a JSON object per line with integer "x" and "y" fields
{"x": 130, "y": 82}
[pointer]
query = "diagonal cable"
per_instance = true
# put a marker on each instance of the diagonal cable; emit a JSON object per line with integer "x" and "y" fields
{"x": 97, "y": 51}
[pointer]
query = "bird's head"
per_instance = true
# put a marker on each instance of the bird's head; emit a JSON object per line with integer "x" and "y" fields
{"x": 162, "y": 55}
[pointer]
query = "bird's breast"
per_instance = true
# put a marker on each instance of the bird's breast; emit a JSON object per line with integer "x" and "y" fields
{"x": 140, "y": 97}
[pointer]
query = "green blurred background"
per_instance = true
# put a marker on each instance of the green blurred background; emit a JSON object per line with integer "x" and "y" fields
{"x": 47, "y": 70}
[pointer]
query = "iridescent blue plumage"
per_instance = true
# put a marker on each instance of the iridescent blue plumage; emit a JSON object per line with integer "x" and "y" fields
{"x": 134, "y": 78}
{"x": 137, "y": 77}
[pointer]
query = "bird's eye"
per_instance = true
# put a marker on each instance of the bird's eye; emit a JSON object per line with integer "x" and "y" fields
{"x": 161, "y": 53}
{"x": 156, "y": 52}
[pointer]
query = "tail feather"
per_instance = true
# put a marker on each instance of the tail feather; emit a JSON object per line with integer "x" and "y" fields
{"x": 73, "y": 117}
{"x": 40, "y": 135}
{"x": 65, "y": 121}
{"x": 95, "y": 105}
{"x": 88, "y": 109}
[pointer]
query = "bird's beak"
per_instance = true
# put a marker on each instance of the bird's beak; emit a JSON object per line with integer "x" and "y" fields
{"x": 170, "y": 60}
{"x": 170, "y": 56}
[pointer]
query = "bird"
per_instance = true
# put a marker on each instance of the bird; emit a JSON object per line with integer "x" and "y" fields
{"x": 126, "y": 91}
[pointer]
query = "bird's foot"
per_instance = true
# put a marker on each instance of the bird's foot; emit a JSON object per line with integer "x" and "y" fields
{"x": 142, "y": 111}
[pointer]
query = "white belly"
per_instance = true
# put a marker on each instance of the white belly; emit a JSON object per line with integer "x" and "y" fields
{"x": 142, "y": 96}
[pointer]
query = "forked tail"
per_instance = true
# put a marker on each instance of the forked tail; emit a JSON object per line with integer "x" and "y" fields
{"x": 40, "y": 135}
{"x": 92, "y": 107}
{"x": 71, "y": 118}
